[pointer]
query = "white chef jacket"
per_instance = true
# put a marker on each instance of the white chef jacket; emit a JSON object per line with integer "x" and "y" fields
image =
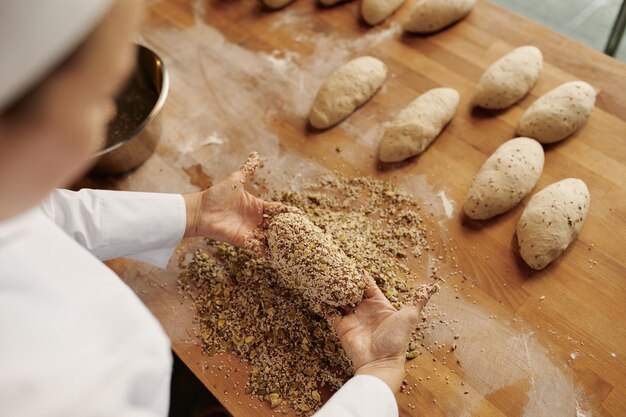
{"x": 74, "y": 339}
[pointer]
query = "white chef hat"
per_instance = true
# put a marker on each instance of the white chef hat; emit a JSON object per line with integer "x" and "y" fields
{"x": 35, "y": 35}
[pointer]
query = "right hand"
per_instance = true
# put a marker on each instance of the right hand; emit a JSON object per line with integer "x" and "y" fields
{"x": 375, "y": 335}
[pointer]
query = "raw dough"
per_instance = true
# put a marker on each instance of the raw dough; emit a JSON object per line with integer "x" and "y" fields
{"x": 331, "y": 2}
{"x": 558, "y": 113}
{"x": 347, "y": 88}
{"x": 509, "y": 79}
{"x": 418, "y": 124}
{"x": 505, "y": 178}
{"x": 375, "y": 11}
{"x": 276, "y": 4}
{"x": 430, "y": 16}
{"x": 551, "y": 221}
{"x": 310, "y": 262}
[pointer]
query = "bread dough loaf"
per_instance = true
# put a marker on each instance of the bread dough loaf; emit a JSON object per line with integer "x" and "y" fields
{"x": 330, "y": 2}
{"x": 505, "y": 178}
{"x": 430, "y": 16}
{"x": 418, "y": 124}
{"x": 276, "y": 4}
{"x": 375, "y": 11}
{"x": 310, "y": 262}
{"x": 551, "y": 221}
{"x": 509, "y": 79}
{"x": 347, "y": 88}
{"x": 558, "y": 113}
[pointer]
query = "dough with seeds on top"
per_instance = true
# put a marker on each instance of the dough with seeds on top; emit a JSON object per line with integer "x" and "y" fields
{"x": 551, "y": 221}
{"x": 505, "y": 178}
{"x": 558, "y": 113}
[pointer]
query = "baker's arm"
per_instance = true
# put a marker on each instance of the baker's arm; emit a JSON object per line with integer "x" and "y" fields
{"x": 361, "y": 396}
{"x": 111, "y": 224}
{"x": 148, "y": 226}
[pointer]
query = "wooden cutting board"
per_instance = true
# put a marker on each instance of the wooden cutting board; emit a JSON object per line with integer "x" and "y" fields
{"x": 547, "y": 343}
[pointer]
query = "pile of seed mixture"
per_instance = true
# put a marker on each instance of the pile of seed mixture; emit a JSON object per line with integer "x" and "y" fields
{"x": 294, "y": 357}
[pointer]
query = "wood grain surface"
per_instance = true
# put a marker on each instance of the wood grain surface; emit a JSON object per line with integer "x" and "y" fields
{"x": 530, "y": 343}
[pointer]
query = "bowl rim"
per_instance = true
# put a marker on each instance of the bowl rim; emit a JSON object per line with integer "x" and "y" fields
{"x": 156, "y": 108}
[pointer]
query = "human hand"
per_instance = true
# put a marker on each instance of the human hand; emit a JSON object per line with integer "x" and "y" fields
{"x": 226, "y": 211}
{"x": 375, "y": 335}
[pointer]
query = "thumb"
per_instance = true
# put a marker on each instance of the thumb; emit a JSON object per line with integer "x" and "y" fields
{"x": 273, "y": 208}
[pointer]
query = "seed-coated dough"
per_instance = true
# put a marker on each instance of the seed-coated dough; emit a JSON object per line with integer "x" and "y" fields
{"x": 505, "y": 178}
{"x": 310, "y": 262}
{"x": 551, "y": 221}
{"x": 558, "y": 113}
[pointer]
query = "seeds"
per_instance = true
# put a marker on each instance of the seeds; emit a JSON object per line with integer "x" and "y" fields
{"x": 242, "y": 307}
{"x": 316, "y": 396}
{"x": 274, "y": 399}
{"x": 411, "y": 355}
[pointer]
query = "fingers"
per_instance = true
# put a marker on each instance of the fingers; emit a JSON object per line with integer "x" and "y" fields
{"x": 410, "y": 313}
{"x": 422, "y": 293}
{"x": 373, "y": 291}
{"x": 347, "y": 310}
{"x": 255, "y": 241}
{"x": 333, "y": 318}
{"x": 272, "y": 208}
{"x": 247, "y": 170}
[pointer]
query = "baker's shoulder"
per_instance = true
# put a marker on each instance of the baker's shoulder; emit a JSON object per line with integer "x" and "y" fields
{"x": 54, "y": 293}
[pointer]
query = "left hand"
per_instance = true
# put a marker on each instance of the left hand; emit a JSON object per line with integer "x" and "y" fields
{"x": 226, "y": 211}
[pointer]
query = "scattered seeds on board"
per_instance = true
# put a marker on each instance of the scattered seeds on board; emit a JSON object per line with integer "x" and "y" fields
{"x": 292, "y": 354}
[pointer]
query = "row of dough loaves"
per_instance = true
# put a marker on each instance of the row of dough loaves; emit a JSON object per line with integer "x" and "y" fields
{"x": 513, "y": 170}
{"x": 426, "y": 16}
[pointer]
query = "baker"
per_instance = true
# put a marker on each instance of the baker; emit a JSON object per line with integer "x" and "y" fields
{"x": 74, "y": 339}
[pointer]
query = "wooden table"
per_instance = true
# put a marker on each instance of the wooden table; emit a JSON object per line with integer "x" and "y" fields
{"x": 547, "y": 343}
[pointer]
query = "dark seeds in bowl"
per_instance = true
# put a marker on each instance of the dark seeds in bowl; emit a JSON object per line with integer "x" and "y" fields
{"x": 134, "y": 105}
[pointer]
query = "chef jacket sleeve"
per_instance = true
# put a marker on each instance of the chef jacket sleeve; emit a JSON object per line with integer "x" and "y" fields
{"x": 361, "y": 396}
{"x": 111, "y": 224}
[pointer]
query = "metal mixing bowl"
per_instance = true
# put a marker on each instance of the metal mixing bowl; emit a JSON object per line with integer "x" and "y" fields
{"x": 131, "y": 148}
